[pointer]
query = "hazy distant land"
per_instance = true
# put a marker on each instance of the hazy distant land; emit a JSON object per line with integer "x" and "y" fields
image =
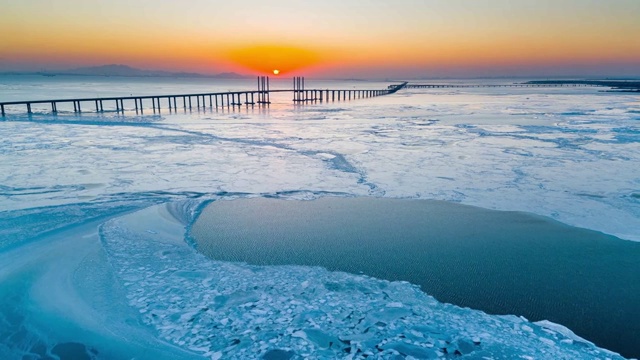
{"x": 127, "y": 71}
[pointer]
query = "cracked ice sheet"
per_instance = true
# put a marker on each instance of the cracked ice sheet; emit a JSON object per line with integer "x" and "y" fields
{"x": 569, "y": 156}
{"x": 53, "y": 164}
{"x": 238, "y": 311}
{"x": 565, "y": 153}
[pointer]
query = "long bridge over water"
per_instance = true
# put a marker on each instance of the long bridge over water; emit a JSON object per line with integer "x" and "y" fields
{"x": 261, "y": 96}
{"x": 234, "y": 99}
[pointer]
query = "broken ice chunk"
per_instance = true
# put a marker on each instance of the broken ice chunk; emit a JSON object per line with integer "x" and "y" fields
{"x": 415, "y": 351}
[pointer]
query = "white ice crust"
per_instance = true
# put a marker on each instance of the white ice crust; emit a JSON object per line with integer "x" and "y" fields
{"x": 238, "y": 311}
{"x": 568, "y": 154}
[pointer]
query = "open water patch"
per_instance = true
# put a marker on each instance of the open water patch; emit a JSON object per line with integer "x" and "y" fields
{"x": 225, "y": 310}
{"x": 498, "y": 262}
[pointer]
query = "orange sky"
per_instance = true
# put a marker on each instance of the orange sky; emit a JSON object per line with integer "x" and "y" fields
{"x": 406, "y": 38}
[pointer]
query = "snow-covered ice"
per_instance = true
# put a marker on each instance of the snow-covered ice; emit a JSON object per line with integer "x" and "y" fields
{"x": 569, "y": 154}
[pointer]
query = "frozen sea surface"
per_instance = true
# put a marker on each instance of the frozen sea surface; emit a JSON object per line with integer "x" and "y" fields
{"x": 569, "y": 154}
{"x": 564, "y": 153}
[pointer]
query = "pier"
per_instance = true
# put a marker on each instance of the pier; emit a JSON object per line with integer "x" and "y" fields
{"x": 229, "y": 99}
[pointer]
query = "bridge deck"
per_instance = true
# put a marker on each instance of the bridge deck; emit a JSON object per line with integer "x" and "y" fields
{"x": 198, "y": 100}
{"x": 433, "y": 86}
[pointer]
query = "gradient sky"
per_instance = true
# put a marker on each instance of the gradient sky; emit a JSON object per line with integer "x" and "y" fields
{"x": 328, "y": 38}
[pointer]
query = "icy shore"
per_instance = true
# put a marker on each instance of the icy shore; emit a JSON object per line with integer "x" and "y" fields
{"x": 232, "y": 310}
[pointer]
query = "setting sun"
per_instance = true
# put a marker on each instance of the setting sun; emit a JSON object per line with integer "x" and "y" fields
{"x": 273, "y": 59}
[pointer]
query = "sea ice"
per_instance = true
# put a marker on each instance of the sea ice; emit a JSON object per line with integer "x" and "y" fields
{"x": 238, "y": 311}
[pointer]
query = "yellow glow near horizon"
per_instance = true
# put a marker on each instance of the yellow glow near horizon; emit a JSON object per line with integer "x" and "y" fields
{"x": 276, "y": 72}
{"x": 265, "y": 58}
{"x": 331, "y": 38}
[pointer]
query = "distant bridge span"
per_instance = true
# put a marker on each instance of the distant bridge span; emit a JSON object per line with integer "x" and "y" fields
{"x": 438, "y": 86}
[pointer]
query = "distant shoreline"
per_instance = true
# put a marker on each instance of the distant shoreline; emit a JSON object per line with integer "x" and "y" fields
{"x": 184, "y": 76}
{"x": 120, "y": 70}
{"x": 617, "y": 85}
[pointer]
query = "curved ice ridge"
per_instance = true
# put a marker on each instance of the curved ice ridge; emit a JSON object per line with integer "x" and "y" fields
{"x": 238, "y": 311}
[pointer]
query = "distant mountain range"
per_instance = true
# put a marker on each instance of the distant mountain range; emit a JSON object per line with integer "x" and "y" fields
{"x": 128, "y": 71}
